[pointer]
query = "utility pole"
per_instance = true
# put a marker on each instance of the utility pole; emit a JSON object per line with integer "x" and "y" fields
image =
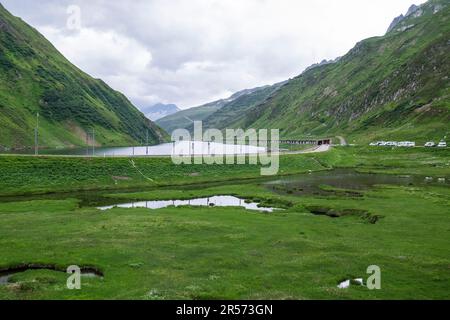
{"x": 93, "y": 141}
{"x": 146, "y": 143}
{"x": 87, "y": 143}
{"x": 36, "y": 136}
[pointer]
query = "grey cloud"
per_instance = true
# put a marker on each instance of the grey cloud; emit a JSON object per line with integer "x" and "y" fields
{"x": 193, "y": 51}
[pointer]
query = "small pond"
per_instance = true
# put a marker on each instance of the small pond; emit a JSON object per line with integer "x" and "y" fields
{"x": 5, "y": 275}
{"x": 217, "y": 201}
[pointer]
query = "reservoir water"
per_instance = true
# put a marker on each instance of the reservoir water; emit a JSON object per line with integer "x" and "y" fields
{"x": 183, "y": 148}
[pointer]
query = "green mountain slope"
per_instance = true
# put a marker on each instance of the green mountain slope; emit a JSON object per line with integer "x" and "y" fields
{"x": 219, "y": 114}
{"x": 391, "y": 87}
{"x": 183, "y": 119}
{"x": 36, "y": 78}
{"x": 230, "y": 115}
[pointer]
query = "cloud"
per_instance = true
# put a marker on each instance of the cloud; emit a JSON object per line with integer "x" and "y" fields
{"x": 193, "y": 51}
{"x": 105, "y": 52}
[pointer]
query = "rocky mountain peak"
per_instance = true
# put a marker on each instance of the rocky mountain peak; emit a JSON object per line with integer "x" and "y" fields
{"x": 411, "y": 10}
{"x": 395, "y": 22}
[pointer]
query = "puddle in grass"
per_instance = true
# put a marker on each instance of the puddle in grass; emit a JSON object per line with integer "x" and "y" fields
{"x": 217, "y": 201}
{"x": 5, "y": 275}
{"x": 346, "y": 283}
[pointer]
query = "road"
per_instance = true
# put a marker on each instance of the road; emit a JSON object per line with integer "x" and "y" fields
{"x": 342, "y": 141}
{"x": 318, "y": 149}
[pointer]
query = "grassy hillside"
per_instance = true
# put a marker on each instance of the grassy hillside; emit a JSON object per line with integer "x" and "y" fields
{"x": 220, "y": 113}
{"x": 233, "y": 112}
{"x": 36, "y": 78}
{"x": 390, "y": 87}
{"x": 185, "y": 118}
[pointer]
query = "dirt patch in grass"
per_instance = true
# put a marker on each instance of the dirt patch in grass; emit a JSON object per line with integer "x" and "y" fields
{"x": 118, "y": 178}
{"x": 335, "y": 213}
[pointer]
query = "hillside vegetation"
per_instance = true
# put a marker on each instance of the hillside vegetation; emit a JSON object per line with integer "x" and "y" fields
{"x": 36, "y": 78}
{"x": 230, "y": 115}
{"x": 184, "y": 118}
{"x": 390, "y": 87}
{"x": 221, "y": 113}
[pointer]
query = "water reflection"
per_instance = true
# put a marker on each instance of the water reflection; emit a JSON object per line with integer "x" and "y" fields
{"x": 217, "y": 201}
{"x": 184, "y": 148}
{"x": 346, "y": 182}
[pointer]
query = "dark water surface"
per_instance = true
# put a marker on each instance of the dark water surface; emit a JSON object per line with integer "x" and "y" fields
{"x": 318, "y": 183}
{"x": 347, "y": 181}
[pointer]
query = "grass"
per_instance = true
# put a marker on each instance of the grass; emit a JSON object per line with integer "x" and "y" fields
{"x": 30, "y": 175}
{"x": 230, "y": 253}
{"x": 225, "y": 253}
{"x": 24, "y": 175}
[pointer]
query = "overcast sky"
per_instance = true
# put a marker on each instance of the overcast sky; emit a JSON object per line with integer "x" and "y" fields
{"x": 189, "y": 52}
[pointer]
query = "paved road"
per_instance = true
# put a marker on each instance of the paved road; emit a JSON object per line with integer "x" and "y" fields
{"x": 318, "y": 149}
{"x": 342, "y": 140}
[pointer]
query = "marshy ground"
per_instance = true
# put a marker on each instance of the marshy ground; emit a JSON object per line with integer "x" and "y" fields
{"x": 190, "y": 252}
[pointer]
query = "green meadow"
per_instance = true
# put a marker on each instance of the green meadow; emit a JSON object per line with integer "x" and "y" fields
{"x": 225, "y": 253}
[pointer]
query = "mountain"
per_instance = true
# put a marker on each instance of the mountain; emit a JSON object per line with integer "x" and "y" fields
{"x": 396, "y": 86}
{"x": 36, "y": 78}
{"x": 184, "y": 119}
{"x": 159, "y": 111}
{"x": 230, "y": 114}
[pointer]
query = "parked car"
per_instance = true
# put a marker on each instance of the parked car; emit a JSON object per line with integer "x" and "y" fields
{"x": 391, "y": 144}
{"x": 442, "y": 144}
{"x": 373, "y": 144}
{"x": 382, "y": 143}
{"x": 430, "y": 144}
{"x": 407, "y": 144}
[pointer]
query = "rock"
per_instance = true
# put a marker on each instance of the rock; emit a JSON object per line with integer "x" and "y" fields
{"x": 411, "y": 10}
{"x": 404, "y": 28}
{"x": 395, "y": 22}
{"x": 437, "y": 8}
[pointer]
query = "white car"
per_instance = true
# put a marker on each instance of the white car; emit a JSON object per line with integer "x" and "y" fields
{"x": 407, "y": 144}
{"x": 430, "y": 144}
{"x": 373, "y": 144}
{"x": 381, "y": 143}
{"x": 391, "y": 144}
{"x": 442, "y": 144}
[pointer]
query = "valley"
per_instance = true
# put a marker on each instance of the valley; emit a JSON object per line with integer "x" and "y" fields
{"x": 192, "y": 252}
{"x": 107, "y": 192}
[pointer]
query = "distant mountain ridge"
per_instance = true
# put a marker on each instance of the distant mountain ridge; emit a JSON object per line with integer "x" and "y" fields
{"x": 159, "y": 111}
{"x": 36, "y": 78}
{"x": 413, "y": 10}
{"x": 229, "y": 116}
{"x": 185, "y": 118}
